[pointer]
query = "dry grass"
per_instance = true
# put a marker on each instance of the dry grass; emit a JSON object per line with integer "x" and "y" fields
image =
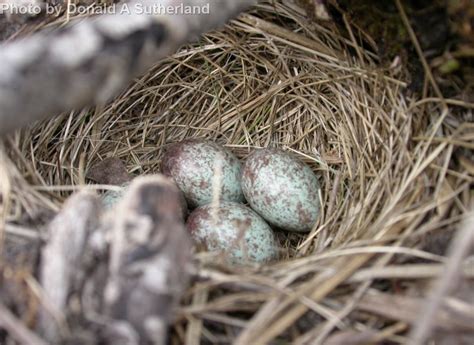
{"x": 394, "y": 171}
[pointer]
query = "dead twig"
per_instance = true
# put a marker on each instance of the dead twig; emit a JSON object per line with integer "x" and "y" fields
{"x": 61, "y": 259}
{"x": 150, "y": 252}
{"x": 90, "y": 61}
{"x": 408, "y": 309}
{"x": 459, "y": 249}
{"x": 16, "y": 329}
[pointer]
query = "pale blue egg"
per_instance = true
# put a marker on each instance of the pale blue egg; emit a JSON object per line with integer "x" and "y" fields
{"x": 282, "y": 189}
{"x": 193, "y": 163}
{"x": 235, "y": 231}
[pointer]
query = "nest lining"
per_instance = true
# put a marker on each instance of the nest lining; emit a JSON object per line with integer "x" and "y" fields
{"x": 274, "y": 78}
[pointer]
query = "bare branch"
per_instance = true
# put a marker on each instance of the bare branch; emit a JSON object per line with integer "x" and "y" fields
{"x": 60, "y": 258}
{"x": 448, "y": 279}
{"x": 90, "y": 61}
{"x": 17, "y": 330}
{"x": 150, "y": 252}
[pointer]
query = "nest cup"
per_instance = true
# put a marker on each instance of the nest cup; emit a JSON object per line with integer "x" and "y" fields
{"x": 271, "y": 78}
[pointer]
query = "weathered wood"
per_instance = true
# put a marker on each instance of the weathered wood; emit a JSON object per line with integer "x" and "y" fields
{"x": 149, "y": 256}
{"x": 90, "y": 61}
{"x": 17, "y": 330}
{"x": 61, "y": 259}
{"x": 118, "y": 275}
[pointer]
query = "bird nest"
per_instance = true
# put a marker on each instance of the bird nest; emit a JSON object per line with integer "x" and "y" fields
{"x": 395, "y": 171}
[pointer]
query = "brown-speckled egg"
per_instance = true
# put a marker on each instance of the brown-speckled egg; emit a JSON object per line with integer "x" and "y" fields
{"x": 192, "y": 165}
{"x": 282, "y": 189}
{"x": 234, "y": 230}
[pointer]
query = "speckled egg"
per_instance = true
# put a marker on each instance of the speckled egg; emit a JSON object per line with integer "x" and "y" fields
{"x": 192, "y": 165}
{"x": 234, "y": 230}
{"x": 282, "y": 189}
{"x": 112, "y": 197}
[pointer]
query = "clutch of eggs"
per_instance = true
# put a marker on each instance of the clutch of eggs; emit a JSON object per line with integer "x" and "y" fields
{"x": 281, "y": 190}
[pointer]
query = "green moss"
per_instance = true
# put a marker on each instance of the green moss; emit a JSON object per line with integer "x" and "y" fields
{"x": 381, "y": 21}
